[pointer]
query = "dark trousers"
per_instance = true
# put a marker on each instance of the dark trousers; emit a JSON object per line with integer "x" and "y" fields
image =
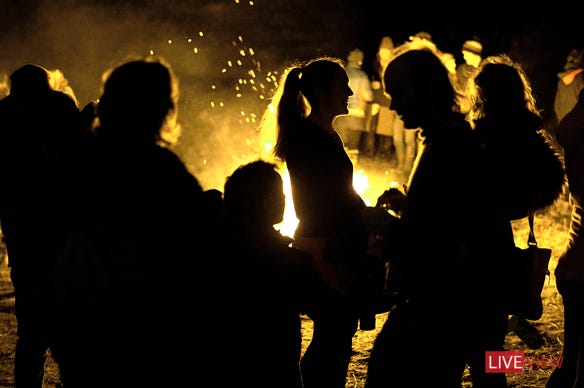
{"x": 406, "y": 340}
{"x": 32, "y": 343}
{"x": 326, "y": 361}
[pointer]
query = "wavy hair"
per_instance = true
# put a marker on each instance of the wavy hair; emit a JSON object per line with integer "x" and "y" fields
{"x": 139, "y": 102}
{"x": 501, "y": 87}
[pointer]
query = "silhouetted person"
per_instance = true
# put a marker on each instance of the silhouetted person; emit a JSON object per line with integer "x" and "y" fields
{"x": 39, "y": 128}
{"x": 569, "y": 272}
{"x": 570, "y": 82}
{"x": 444, "y": 220}
{"x": 472, "y": 51}
{"x": 527, "y": 174}
{"x": 354, "y": 127}
{"x": 266, "y": 283}
{"x": 327, "y": 206}
{"x": 381, "y": 117}
{"x": 139, "y": 224}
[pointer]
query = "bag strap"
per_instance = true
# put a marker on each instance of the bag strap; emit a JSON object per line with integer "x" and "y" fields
{"x": 531, "y": 241}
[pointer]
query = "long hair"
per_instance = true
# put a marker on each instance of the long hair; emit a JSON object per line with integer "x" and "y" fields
{"x": 296, "y": 96}
{"x": 139, "y": 102}
{"x": 500, "y": 87}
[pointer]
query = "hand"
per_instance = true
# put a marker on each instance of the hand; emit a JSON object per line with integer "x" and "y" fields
{"x": 393, "y": 200}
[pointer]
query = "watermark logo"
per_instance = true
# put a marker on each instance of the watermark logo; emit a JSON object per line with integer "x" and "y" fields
{"x": 518, "y": 362}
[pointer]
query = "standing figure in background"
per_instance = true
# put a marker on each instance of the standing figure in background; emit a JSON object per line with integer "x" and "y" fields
{"x": 39, "y": 129}
{"x": 354, "y": 127}
{"x": 523, "y": 162}
{"x": 569, "y": 272}
{"x": 422, "y": 39}
{"x": 570, "y": 82}
{"x": 328, "y": 208}
{"x": 472, "y": 51}
{"x": 406, "y": 147}
{"x": 381, "y": 116}
{"x": 462, "y": 99}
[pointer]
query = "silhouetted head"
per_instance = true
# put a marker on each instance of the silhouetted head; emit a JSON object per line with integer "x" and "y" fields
{"x": 139, "y": 102}
{"x": 419, "y": 86}
{"x": 574, "y": 60}
{"x": 355, "y": 57}
{"x": 319, "y": 87}
{"x": 254, "y": 193}
{"x": 319, "y": 82}
{"x": 501, "y": 87}
{"x": 385, "y": 51}
{"x": 29, "y": 79}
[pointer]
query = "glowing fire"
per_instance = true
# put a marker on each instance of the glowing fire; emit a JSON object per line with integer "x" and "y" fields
{"x": 238, "y": 88}
{"x": 288, "y": 226}
{"x": 361, "y": 180}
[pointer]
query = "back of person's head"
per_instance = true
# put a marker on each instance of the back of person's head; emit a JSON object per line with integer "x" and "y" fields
{"x": 385, "y": 50}
{"x": 139, "y": 102}
{"x": 421, "y": 40}
{"x": 501, "y": 87}
{"x": 254, "y": 193}
{"x": 574, "y": 60}
{"x": 421, "y": 73}
{"x": 29, "y": 79}
{"x": 297, "y": 94}
{"x": 355, "y": 57}
{"x": 472, "y": 46}
{"x": 421, "y": 35}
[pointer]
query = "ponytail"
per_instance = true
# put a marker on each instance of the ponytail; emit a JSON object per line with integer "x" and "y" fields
{"x": 290, "y": 111}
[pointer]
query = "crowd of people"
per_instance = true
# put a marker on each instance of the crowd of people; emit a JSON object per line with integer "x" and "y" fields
{"x": 119, "y": 258}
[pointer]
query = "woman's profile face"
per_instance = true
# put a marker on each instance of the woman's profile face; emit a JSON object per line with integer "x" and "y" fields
{"x": 338, "y": 93}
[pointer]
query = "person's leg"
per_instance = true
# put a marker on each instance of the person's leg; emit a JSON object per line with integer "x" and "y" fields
{"x": 32, "y": 342}
{"x": 388, "y": 363}
{"x": 486, "y": 332}
{"x": 367, "y": 144}
{"x": 400, "y": 353}
{"x": 566, "y": 374}
{"x": 571, "y": 371}
{"x": 326, "y": 361}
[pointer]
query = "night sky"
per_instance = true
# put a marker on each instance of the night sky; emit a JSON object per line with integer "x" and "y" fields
{"x": 201, "y": 39}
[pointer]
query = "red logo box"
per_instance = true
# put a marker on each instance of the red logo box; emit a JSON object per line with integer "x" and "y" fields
{"x": 504, "y": 362}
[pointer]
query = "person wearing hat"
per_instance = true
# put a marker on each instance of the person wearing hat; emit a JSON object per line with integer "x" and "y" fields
{"x": 570, "y": 82}
{"x": 354, "y": 127}
{"x": 422, "y": 39}
{"x": 381, "y": 116}
{"x": 472, "y": 51}
{"x": 421, "y": 35}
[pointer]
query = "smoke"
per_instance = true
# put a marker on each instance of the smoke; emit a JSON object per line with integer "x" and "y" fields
{"x": 225, "y": 83}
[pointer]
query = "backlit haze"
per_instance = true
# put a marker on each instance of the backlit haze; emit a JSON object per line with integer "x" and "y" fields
{"x": 228, "y": 56}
